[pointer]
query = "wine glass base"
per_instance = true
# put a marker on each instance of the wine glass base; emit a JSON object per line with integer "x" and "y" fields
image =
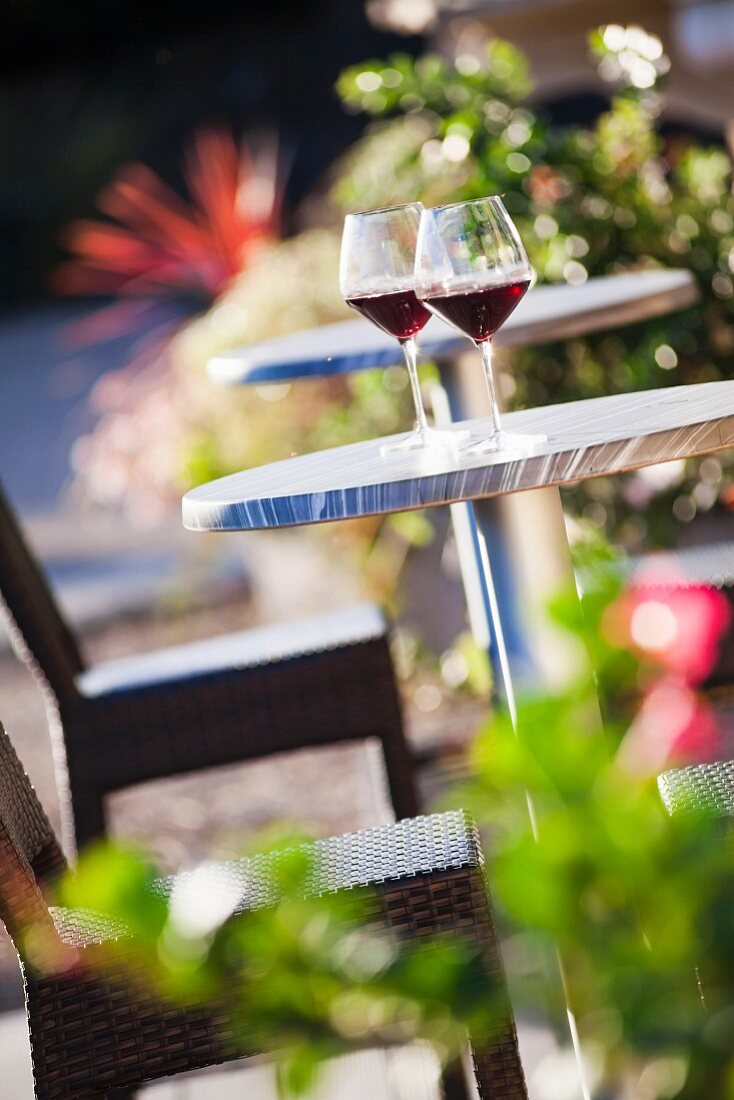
{"x": 426, "y": 440}
{"x": 512, "y": 444}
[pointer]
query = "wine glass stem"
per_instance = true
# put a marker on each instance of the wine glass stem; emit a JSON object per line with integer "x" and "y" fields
{"x": 485, "y": 350}
{"x": 410, "y": 351}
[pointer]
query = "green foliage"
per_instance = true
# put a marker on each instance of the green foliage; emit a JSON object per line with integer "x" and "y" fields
{"x": 588, "y": 201}
{"x": 403, "y": 85}
{"x": 303, "y": 979}
{"x": 113, "y": 881}
{"x": 628, "y": 896}
{"x": 637, "y": 903}
{"x": 634, "y": 900}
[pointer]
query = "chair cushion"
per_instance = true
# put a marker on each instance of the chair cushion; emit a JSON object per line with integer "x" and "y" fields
{"x": 230, "y": 652}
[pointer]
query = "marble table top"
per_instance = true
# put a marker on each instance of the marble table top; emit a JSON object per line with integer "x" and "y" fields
{"x": 586, "y": 439}
{"x": 546, "y": 313}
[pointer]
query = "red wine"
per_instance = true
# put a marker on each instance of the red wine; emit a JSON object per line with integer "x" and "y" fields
{"x": 399, "y": 312}
{"x": 479, "y": 313}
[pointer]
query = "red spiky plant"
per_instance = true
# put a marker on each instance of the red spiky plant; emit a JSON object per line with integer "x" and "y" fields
{"x": 154, "y": 249}
{"x": 158, "y": 244}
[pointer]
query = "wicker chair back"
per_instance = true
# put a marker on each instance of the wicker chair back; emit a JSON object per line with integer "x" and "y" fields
{"x": 38, "y": 631}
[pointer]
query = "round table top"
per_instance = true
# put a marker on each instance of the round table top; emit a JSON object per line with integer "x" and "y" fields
{"x": 546, "y": 313}
{"x": 604, "y": 435}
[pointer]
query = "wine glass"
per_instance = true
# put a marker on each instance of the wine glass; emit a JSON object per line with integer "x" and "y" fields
{"x": 472, "y": 270}
{"x": 377, "y": 278}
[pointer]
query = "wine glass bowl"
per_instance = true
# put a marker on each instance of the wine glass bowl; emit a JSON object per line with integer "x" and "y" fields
{"x": 472, "y": 271}
{"x": 377, "y": 279}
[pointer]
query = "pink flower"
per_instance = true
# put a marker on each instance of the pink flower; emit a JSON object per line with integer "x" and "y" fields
{"x": 673, "y": 727}
{"x": 670, "y": 623}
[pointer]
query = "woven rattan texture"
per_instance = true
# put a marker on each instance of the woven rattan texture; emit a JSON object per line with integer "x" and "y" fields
{"x": 93, "y": 1030}
{"x": 98, "y": 1026}
{"x": 21, "y": 900}
{"x": 708, "y": 787}
{"x": 372, "y": 857}
{"x": 28, "y": 847}
{"x": 711, "y": 565}
{"x": 24, "y": 816}
{"x": 37, "y": 629}
{"x": 456, "y": 902}
{"x": 369, "y": 857}
{"x": 86, "y": 927}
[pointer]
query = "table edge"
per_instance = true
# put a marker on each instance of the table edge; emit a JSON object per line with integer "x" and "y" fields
{"x": 222, "y": 371}
{"x": 189, "y": 506}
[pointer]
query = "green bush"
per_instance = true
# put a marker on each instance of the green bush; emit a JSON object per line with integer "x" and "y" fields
{"x": 634, "y": 902}
{"x": 588, "y": 201}
{"x": 618, "y": 195}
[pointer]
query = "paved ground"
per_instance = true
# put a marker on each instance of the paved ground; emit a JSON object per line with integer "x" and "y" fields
{"x": 45, "y": 381}
{"x": 101, "y": 565}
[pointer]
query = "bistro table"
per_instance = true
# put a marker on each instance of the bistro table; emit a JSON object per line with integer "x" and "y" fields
{"x": 585, "y": 439}
{"x": 493, "y": 530}
{"x": 547, "y": 313}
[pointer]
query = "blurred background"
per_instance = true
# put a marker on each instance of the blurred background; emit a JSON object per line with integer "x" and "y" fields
{"x": 172, "y": 183}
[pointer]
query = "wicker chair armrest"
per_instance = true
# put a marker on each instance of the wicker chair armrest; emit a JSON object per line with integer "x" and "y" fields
{"x": 80, "y": 928}
{"x": 386, "y": 854}
{"x": 427, "y": 872}
{"x": 389, "y": 854}
{"x": 697, "y": 788}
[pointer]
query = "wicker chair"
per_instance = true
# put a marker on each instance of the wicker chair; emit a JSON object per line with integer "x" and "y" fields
{"x": 695, "y": 787}
{"x": 221, "y": 701}
{"x": 94, "y": 1032}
